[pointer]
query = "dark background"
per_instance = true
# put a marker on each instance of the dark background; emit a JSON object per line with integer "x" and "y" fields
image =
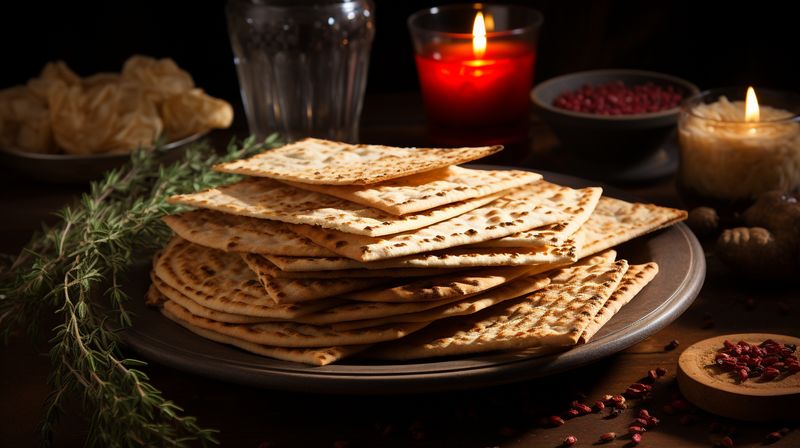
{"x": 713, "y": 44}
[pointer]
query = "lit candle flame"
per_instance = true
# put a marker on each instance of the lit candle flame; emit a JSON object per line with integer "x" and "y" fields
{"x": 751, "y": 106}
{"x": 478, "y": 36}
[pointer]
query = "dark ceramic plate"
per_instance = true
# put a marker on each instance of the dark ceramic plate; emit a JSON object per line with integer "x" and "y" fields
{"x": 682, "y": 270}
{"x": 79, "y": 168}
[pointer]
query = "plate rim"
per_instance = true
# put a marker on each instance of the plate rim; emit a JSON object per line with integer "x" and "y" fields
{"x": 380, "y": 379}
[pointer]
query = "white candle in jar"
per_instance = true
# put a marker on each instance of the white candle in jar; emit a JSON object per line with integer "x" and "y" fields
{"x": 736, "y": 150}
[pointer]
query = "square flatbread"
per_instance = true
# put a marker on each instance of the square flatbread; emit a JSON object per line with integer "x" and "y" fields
{"x": 290, "y": 334}
{"x": 223, "y": 282}
{"x": 635, "y": 279}
{"x": 315, "y": 161}
{"x": 455, "y": 258}
{"x": 315, "y": 356}
{"x": 443, "y": 287}
{"x": 505, "y": 216}
{"x": 232, "y": 233}
{"x": 268, "y": 199}
{"x": 615, "y": 221}
{"x": 577, "y": 205}
{"x": 296, "y": 290}
{"x": 262, "y": 266}
{"x": 554, "y": 316}
{"x": 427, "y": 190}
{"x": 461, "y": 307}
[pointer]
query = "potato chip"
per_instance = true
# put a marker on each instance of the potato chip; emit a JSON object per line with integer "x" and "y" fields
{"x": 104, "y": 118}
{"x": 161, "y": 76}
{"x": 107, "y": 112}
{"x": 54, "y": 75}
{"x": 192, "y": 112}
{"x": 25, "y": 121}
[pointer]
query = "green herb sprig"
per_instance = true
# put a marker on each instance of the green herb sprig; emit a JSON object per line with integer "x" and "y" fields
{"x": 66, "y": 266}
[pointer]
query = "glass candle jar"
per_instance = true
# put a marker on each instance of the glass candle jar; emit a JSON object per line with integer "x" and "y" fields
{"x": 726, "y": 155}
{"x": 475, "y": 64}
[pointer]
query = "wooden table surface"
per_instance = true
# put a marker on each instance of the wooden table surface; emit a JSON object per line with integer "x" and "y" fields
{"x": 507, "y": 416}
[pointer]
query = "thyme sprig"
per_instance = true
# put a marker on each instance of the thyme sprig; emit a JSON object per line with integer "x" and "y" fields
{"x": 75, "y": 269}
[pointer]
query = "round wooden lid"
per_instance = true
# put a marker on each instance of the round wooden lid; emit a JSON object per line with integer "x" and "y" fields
{"x": 721, "y": 393}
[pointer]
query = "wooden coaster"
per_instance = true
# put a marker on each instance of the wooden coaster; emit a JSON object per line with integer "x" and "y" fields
{"x": 720, "y": 392}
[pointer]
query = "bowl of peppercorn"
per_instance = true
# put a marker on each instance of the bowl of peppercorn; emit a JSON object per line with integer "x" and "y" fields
{"x": 619, "y": 116}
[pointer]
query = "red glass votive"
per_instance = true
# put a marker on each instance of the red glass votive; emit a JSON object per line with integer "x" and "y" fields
{"x": 476, "y": 87}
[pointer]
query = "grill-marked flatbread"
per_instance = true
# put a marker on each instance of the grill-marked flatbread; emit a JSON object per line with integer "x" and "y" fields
{"x": 296, "y": 290}
{"x": 577, "y": 205}
{"x": 427, "y": 190}
{"x": 315, "y": 161}
{"x": 232, "y": 233}
{"x": 553, "y": 317}
{"x": 461, "y": 307}
{"x": 223, "y": 282}
{"x": 315, "y": 356}
{"x": 443, "y": 287}
{"x": 289, "y": 334}
{"x": 262, "y": 266}
{"x": 615, "y": 221}
{"x": 195, "y": 308}
{"x": 459, "y": 257}
{"x": 635, "y": 279}
{"x": 514, "y": 212}
{"x": 269, "y": 199}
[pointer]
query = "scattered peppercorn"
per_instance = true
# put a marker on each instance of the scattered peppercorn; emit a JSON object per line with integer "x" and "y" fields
{"x": 673, "y": 344}
{"x": 555, "y": 420}
{"x": 570, "y": 440}
{"x": 660, "y": 371}
{"x": 636, "y": 439}
{"x": 607, "y": 437}
{"x": 727, "y": 442}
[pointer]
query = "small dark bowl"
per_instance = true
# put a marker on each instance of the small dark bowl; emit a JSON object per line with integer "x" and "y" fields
{"x": 616, "y": 139}
{"x": 82, "y": 168}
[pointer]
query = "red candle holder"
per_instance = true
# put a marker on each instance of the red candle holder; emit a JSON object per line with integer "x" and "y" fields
{"x": 475, "y": 64}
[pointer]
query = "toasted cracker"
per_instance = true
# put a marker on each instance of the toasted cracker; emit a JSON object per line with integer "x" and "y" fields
{"x": 635, "y": 279}
{"x": 289, "y": 334}
{"x": 262, "y": 266}
{"x": 223, "y": 282}
{"x": 505, "y": 216}
{"x": 461, "y": 307}
{"x": 615, "y": 221}
{"x": 552, "y": 317}
{"x": 232, "y": 233}
{"x": 268, "y": 199}
{"x": 315, "y": 161}
{"x": 427, "y": 190}
{"x": 443, "y": 287}
{"x": 577, "y": 205}
{"x": 455, "y": 258}
{"x": 164, "y": 290}
{"x": 316, "y": 356}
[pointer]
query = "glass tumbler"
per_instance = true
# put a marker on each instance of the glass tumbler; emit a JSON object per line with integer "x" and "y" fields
{"x": 302, "y": 65}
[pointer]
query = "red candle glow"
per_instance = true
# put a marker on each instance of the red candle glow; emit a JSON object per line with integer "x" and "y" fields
{"x": 480, "y": 80}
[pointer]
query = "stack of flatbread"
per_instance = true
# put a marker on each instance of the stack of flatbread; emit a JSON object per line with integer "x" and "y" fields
{"x": 326, "y": 250}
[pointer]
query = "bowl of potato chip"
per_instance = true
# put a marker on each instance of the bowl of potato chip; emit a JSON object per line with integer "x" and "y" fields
{"x": 65, "y": 128}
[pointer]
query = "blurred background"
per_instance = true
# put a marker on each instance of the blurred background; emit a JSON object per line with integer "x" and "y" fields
{"x": 710, "y": 43}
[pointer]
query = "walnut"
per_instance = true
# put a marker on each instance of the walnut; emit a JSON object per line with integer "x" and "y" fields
{"x": 703, "y": 221}
{"x": 770, "y": 247}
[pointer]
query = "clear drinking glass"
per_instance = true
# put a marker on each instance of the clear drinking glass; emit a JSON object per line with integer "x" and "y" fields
{"x": 302, "y": 65}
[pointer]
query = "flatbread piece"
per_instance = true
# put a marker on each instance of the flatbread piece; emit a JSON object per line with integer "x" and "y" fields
{"x": 315, "y": 161}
